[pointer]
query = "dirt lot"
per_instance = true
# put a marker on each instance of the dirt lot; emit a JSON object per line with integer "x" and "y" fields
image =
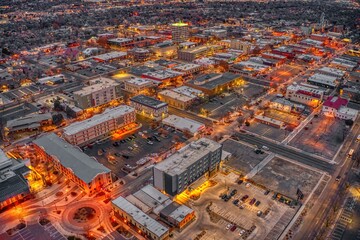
{"x": 267, "y": 131}
{"x": 322, "y": 136}
{"x": 285, "y": 177}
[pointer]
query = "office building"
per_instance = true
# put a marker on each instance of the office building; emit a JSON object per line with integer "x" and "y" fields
{"x": 68, "y": 159}
{"x": 99, "y": 126}
{"x": 182, "y": 124}
{"x": 175, "y": 99}
{"x": 100, "y": 91}
{"x": 138, "y": 86}
{"x": 149, "y": 107}
{"x": 179, "y": 32}
{"x": 175, "y": 173}
{"x": 191, "y": 54}
{"x": 323, "y": 80}
{"x": 164, "y": 49}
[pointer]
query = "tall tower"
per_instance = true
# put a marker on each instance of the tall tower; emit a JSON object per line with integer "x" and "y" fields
{"x": 180, "y": 32}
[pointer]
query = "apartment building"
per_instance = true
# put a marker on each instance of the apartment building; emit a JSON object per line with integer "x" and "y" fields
{"x": 179, "y": 32}
{"x": 77, "y": 166}
{"x": 100, "y": 91}
{"x": 174, "y": 174}
{"x": 149, "y": 107}
{"x": 99, "y": 126}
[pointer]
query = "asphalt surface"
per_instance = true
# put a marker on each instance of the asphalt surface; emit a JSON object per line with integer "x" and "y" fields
{"x": 189, "y": 115}
{"x": 287, "y": 152}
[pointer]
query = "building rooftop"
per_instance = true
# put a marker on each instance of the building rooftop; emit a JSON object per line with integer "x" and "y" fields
{"x": 186, "y": 67}
{"x": 188, "y": 91}
{"x": 212, "y": 80}
{"x": 148, "y": 101}
{"x": 84, "y": 167}
{"x": 335, "y": 102}
{"x": 139, "y": 216}
{"x": 108, "y": 114}
{"x": 139, "y": 81}
{"x": 323, "y": 79}
{"x": 186, "y": 156}
{"x": 161, "y": 74}
{"x": 109, "y": 56}
{"x": 183, "y": 123}
{"x": 175, "y": 95}
{"x": 332, "y": 71}
{"x": 176, "y": 211}
{"x": 120, "y": 40}
{"x": 31, "y": 120}
{"x": 96, "y": 85}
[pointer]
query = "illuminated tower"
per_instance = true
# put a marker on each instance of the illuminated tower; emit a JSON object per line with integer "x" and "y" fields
{"x": 180, "y": 32}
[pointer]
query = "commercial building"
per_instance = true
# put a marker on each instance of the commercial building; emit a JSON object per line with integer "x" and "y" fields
{"x": 333, "y": 72}
{"x": 111, "y": 56}
{"x": 175, "y": 173}
{"x": 100, "y": 91}
{"x": 184, "y": 124}
{"x": 175, "y": 99}
{"x": 284, "y": 105}
{"x": 337, "y": 107}
{"x": 150, "y": 200}
{"x": 269, "y": 121}
{"x": 249, "y": 68}
{"x": 14, "y": 186}
{"x": 99, "y": 126}
{"x": 179, "y": 32}
{"x": 214, "y": 83}
{"x": 187, "y": 69}
{"x": 343, "y": 64}
{"x": 82, "y": 169}
{"x": 30, "y": 122}
{"x": 305, "y": 94}
{"x": 164, "y": 76}
{"x": 164, "y": 49}
{"x": 323, "y": 80}
{"x": 188, "y": 91}
{"x": 138, "y": 85}
{"x": 137, "y": 218}
{"x": 246, "y": 47}
{"x": 149, "y": 107}
{"x": 191, "y": 54}
{"x": 139, "y": 54}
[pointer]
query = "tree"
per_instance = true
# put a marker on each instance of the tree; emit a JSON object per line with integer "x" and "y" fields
{"x": 57, "y": 105}
{"x": 57, "y": 118}
{"x": 349, "y": 122}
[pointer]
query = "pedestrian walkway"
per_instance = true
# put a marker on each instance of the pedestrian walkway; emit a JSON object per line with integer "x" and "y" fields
{"x": 260, "y": 166}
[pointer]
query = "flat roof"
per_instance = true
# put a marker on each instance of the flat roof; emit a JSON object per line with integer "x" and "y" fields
{"x": 140, "y": 217}
{"x": 267, "y": 119}
{"x": 139, "y": 81}
{"x": 120, "y": 40}
{"x": 162, "y": 74}
{"x": 186, "y": 156}
{"x": 97, "y": 85}
{"x": 188, "y": 91}
{"x": 179, "y": 24}
{"x": 323, "y": 79}
{"x": 333, "y": 71}
{"x": 28, "y": 120}
{"x": 148, "y": 101}
{"x": 110, "y": 56}
{"x": 186, "y": 66}
{"x": 83, "y": 166}
{"x": 308, "y": 88}
{"x": 176, "y": 95}
{"x": 212, "y": 80}
{"x": 183, "y": 123}
{"x": 107, "y": 115}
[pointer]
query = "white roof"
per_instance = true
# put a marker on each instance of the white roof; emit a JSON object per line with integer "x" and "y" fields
{"x": 162, "y": 74}
{"x": 186, "y": 156}
{"x": 175, "y": 95}
{"x": 110, "y": 55}
{"x": 97, "y": 85}
{"x": 108, "y": 114}
{"x": 188, "y": 91}
{"x": 185, "y": 67}
{"x": 323, "y": 79}
{"x": 332, "y": 71}
{"x": 183, "y": 123}
{"x": 51, "y": 78}
{"x": 180, "y": 213}
{"x": 347, "y": 111}
{"x": 139, "y": 81}
{"x": 270, "y": 120}
{"x": 140, "y": 217}
{"x": 120, "y": 40}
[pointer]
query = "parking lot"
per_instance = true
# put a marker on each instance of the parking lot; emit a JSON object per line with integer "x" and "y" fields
{"x": 284, "y": 73}
{"x": 267, "y": 131}
{"x": 218, "y": 217}
{"x": 35, "y": 232}
{"x": 285, "y": 177}
{"x": 121, "y": 157}
{"x": 243, "y": 158}
{"x": 322, "y": 136}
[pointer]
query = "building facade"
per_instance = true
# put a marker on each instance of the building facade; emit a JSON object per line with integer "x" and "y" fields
{"x": 337, "y": 107}
{"x": 77, "y": 166}
{"x": 100, "y": 91}
{"x": 304, "y": 94}
{"x": 149, "y": 107}
{"x": 99, "y": 126}
{"x": 180, "y": 32}
{"x": 175, "y": 173}
{"x": 138, "y": 85}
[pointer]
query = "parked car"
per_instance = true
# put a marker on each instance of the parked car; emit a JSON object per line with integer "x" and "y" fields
{"x": 233, "y": 228}
{"x": 257, "y": 203}
{"x": 236, "y": 201}
{"x": 243, "y": 199}
{"x": 116, "y": 144}
{"x": 130, "y": 148}
{"x": 252, "y": 201}
{"x": 149, "y": 142}
{"x": 265, "y": 148}
{"x": 259, "y": 213}
{"x": 266, "y": 192}
{"x": 228, "y": 226}
{"x": 233, "y": 192}
{"x": 240, "y": 181}
{"x": 242, "y": 232}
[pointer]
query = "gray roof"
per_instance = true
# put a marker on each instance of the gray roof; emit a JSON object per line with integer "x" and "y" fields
{"x": 140, "y": 217}
{"x": 84, "y": 167}
{"x": 28, "y": 121}
{"x": 148, "y": 101}
{"x": 13, "y": 186}
{"x": 212, "y": 80}
{"x": 176, "y": 211}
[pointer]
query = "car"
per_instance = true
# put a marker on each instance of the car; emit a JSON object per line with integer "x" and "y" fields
{"x": 122, "y": 141}
{"x": 135, "y": 145}
{"x": 125, "y": 156}
{"x": 257, "y": 203}
{"x": 243, "y": 199}
{"x": 252, "y": 201}
{"x": 266, "y": 192}
{"x": 227, "y": 198}
{"x": 240, "y": 181}
{"x": 117, "y": 154}
{"x": 248, "y": 185}
{"x": 157, "y": 139}
{"x": 116, "y": 144}
{"x": 275, "y": 196}
{"x": 222, "y": 195}
{"x": 233, "y": 192}
{"x": 236, "y": 201}
{"x": 149, "y": 142}
{"x": 228, "y": 226}
{"x": 130, "y": 148}
{"x": 134, "y": 136}
{"x": 338, "y": 178}
{"x": 242, "y": 206}
{"x": 140, "y": 133}
{"x": 265, "y": 148}
{"x": 233, "y": 228}
{"x": 259, "y": 213}
{"x": 242, "y": 232}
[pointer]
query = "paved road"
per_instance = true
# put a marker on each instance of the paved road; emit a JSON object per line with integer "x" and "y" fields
{"x": 189, "y": 115}
{"x": 288, "y": 152}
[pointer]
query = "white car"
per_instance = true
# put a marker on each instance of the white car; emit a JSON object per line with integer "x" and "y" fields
{"x": 130, "y": 148}
{"x": 150, "y": 142}
{"x": 228, "y": 226}
{"x": 242, "y": 232}
{"x": 135, "y": 145}
{"x": 265, "y": 148}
